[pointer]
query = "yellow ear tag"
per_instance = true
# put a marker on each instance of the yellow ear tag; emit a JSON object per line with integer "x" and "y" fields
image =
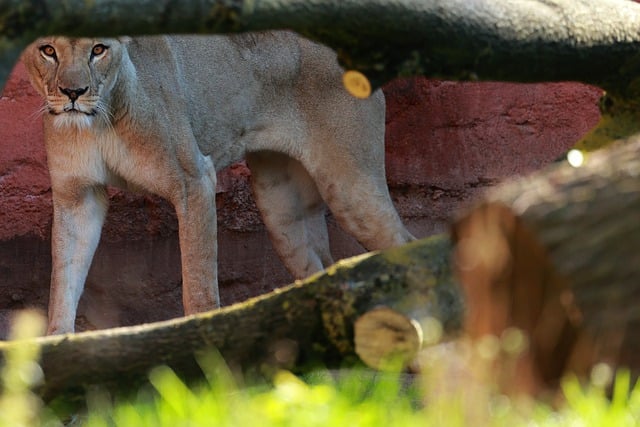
{"x": 356, "y": 84}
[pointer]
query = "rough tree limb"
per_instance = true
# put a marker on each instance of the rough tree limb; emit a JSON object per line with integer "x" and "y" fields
{"x": 520, "y": 40}
{"x": 557, "y": 254}
{"x": 306, "y": 322}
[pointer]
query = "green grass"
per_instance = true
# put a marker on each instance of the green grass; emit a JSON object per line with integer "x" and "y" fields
{"x": 289, "y": 401}
{"x": 354, "y": 399}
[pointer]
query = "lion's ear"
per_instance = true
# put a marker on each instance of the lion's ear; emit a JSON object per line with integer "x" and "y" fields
{"x": 124, "y": 39}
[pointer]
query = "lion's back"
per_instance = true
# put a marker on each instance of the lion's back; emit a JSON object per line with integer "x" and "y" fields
{"x": 235, "y": 90}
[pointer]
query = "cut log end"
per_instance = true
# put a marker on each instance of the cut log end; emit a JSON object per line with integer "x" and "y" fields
{"x": 386, "y": 339}
{"x": 511, "y": 280}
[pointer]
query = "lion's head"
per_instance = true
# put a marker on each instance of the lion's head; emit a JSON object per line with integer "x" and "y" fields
{"x": 75, "y": 77}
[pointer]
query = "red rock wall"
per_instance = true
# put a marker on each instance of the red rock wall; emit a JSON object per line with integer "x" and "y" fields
{"x": 445, "y": 142}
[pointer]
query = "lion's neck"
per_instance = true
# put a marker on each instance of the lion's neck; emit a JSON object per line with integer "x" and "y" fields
{"x": 126, "y": 93}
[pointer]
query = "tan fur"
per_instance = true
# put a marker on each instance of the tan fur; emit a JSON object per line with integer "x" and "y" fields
{"x": 163, "y": 114}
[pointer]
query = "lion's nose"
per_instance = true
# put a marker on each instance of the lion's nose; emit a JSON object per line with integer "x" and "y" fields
{"x": 73, "y": 94}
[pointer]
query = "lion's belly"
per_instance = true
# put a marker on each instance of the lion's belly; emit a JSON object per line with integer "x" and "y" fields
{"x": 277, "y": 126}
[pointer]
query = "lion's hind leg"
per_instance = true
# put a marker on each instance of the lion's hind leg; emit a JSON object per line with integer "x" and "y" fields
{"x": 356, "y": 192}
{"x": 292, "y": 210}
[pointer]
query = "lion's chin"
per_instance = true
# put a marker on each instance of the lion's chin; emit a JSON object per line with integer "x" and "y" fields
{"x": 73, "y": 119}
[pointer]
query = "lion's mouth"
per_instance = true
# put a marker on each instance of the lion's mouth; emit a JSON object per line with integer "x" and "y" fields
{"x": 75, "y": 107}
{"x": 75, "y": 113}
{"x": 73, "y": 118}
{"x": 72, "y": 110}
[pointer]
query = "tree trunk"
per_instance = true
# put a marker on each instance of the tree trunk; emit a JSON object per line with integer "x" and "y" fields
{"x": 518, "y": 40}
{"x": 557, "y": 255}
{"x": 302, "y": 324}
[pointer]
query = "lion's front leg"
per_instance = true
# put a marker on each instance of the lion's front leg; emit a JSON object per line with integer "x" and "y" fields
{"x": 78, "y": 215}
{"x": 197, "y": 227}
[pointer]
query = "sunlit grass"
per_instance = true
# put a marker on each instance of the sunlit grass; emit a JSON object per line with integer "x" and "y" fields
{"x": 352, "y": 398}
{"x": 356, "y": 400}
{"x": 19, "y": 406}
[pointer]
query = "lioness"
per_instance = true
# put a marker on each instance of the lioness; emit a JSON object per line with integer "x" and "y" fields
{"x": 163, "y": 114}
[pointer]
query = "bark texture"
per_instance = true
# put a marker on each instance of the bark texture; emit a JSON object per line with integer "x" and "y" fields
{"x": 556, "y": 255}
{"x": 307, "y": 322}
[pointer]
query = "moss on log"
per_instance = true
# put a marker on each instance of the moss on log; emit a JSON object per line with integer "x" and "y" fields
{"x": 618, "y": 121}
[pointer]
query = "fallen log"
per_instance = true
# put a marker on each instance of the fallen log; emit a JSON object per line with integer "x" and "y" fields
{"x": 557, "y": 255}
{"x": 300, "y": 325}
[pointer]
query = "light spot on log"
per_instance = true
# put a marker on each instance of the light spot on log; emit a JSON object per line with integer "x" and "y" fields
{"x": 514, "y": 341}
{"x": 488, "y": 347}
{"x": 431, "y": 330}
{"x": 575, "y": 158}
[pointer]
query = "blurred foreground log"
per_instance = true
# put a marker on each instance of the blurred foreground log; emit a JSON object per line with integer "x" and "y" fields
{"x": 557, "y": 255}
{"x": 517, "y": 40}
{"x": 293, "y": 327}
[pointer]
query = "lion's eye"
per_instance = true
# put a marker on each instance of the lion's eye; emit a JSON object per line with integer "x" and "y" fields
{"x": 98, "y": 50}
{"x": 48, "y": 50}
